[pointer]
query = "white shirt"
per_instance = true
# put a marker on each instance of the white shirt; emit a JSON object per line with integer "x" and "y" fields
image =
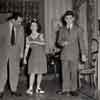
{"x": 69, "y": 26}
{"x": 11, "y": 25}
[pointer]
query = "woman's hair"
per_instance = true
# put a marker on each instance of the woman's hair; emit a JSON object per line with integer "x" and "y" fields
{"x": 38, "y": 25}
{"x": 29, "y": 30}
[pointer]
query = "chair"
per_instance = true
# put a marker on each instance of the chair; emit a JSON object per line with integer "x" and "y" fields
{"x": 90, "y": 70}
{"x": 88, "y": 73}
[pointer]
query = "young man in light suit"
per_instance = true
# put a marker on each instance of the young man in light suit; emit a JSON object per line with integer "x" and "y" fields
{"x": 71, "y": 39}
{"x": 13, "y": 47}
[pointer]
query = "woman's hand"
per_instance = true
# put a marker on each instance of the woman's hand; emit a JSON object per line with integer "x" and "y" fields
{"x": 65, "y": 43}
{"x": 84, "y": 59}
{"x": 24, "y": 61}
{"x": 27, "y": 41}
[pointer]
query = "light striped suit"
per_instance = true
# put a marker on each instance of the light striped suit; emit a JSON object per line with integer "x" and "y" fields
{"x": 8, "y": 52}
{"x": 70, "y": 55}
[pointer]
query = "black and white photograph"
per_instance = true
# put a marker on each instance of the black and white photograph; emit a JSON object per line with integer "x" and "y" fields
{"x": 49, "y": 49}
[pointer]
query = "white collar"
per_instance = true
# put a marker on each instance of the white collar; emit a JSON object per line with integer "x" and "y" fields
{"x": 71, "y": 25}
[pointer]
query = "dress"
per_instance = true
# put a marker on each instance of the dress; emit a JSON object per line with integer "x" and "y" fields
{"x": 37, "y": 60}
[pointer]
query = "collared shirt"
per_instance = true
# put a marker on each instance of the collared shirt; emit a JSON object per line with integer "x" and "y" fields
{"x": 11, "y": 25}
{"x": 70, "y": 26}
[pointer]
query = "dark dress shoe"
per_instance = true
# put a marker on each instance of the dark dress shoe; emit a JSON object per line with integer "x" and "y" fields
{"x": 74, "y": 93}
{"x": 16, "y": 94}
{"x": 1, "y": 95}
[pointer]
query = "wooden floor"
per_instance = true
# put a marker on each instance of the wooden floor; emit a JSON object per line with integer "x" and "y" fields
{"x": 50, "y": 85}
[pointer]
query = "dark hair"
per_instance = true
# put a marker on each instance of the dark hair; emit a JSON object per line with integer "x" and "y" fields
{"x": 67, "y": 13}
{"x": 14, "y": 15}
{"x": 38, "y": 24}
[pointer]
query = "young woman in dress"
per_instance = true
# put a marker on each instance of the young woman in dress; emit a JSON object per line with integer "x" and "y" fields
{"x": 37, "y": 60}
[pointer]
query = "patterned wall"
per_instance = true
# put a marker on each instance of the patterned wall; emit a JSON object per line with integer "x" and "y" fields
{"x": 92, "y": 22}
{"x": 26, "y": 7}
{"x": 54, "y": 9}
{"x": 91, "y": 13}
{"x": 33, "y": 8}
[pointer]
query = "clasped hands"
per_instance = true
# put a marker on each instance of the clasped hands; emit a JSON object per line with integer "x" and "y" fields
{"x": 84, "y": 58}
{"x": 65, "y": 43}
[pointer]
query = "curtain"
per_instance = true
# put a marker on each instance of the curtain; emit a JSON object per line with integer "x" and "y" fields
{"x": 54, "y": 9}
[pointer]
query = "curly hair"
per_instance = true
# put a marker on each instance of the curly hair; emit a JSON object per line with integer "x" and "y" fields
{"x": 67, "y": 13}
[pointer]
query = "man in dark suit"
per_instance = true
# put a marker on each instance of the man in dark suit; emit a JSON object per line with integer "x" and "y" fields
{"x": 12, "y": 50}
{"x": 71, "y": 39}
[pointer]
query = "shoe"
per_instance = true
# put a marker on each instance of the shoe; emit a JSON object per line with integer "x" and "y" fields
{"x": 74, "y": 93}
{"x": 29, "y": 92}
{"x": 1, "y": 95}
{"x": 61, "y": 92}
{"x": 16, "y": 94}
{"x": 39, "y": 91}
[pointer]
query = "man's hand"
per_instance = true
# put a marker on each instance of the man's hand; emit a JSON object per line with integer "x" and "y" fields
{"x": 21, "y": 55}
{"x": 65, "y": 43}
{"x": 84, "y": 59}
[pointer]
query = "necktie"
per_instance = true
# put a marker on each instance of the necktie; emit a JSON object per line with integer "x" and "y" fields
{"x": 13, "y": 36}
{"x": 68, "y": 29}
